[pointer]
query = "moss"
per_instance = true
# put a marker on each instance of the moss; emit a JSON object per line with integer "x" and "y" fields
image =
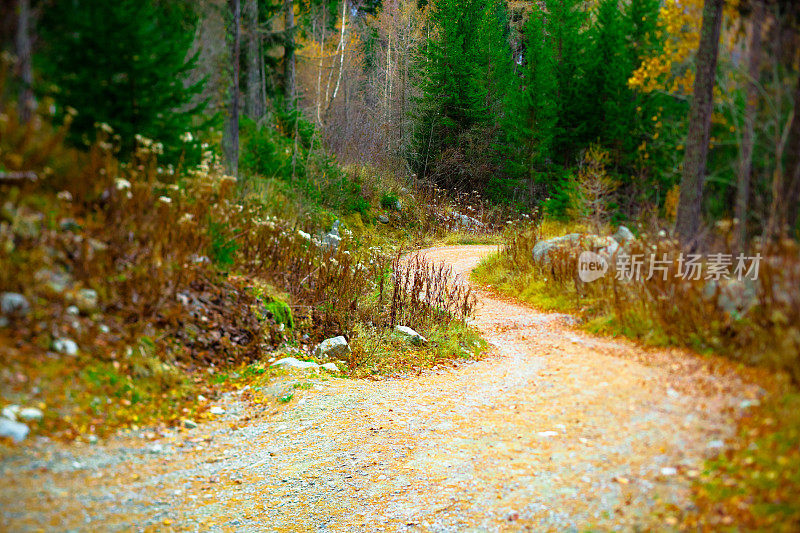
{"x": 280, "y": 312}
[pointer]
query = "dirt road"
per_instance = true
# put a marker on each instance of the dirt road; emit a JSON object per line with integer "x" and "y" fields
{"x": 556, "y": 430}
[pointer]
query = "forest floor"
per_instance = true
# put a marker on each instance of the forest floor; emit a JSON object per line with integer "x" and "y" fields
{"x": 555, "y": 430}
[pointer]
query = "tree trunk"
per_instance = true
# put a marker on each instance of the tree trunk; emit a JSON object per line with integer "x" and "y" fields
{"x": 255, "y": 98}
{"x": 231, "y": 141}
{"x": 690, "y": 203}
{"x": 288, "y": 56}
{"x": 791, "y": 191}
{"x": 26, "y": 102}
{"x": 748, "y": 137}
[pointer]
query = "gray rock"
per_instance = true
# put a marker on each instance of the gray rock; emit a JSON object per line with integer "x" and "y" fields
{"x": 30, "y": 414}
{"x": 411, "y": 335}
{"x": 10, "y": 412}
{"x": 332, "y": 348}
{"x": 331, "y": 367}
{"x": 16, "y": 431}
{"x": 383, "y": 219}
{"x": 542, "y": 249}
{"x": 73, "y": 310}
{"x": 623, "y": 235}
{"x": 69, "y": 224}
{"x": 468, "y": 222}
{"x": 733, "y": 296}
{"x": 14, "y": 304}
{"x": 4, "y": 323}
{"x": 57, "y": 282}
{"x": 216, "y": 410}
{"x": 716, "y": 444}
{"x": 189, "y": 424}
{"x": 86, "y": 300}
{"x": 65, "y": 346}
{"x": 291, "y": 362}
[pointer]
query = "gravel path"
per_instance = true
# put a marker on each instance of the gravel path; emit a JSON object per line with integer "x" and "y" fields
{"x": 557, "y": 430}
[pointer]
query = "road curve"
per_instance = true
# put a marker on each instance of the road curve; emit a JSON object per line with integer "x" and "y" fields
{"x": 555, "y": 430}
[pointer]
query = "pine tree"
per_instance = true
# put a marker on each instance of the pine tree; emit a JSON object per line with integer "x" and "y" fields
{"x": 532, "y": 105}
{"x": 122, "y": 63}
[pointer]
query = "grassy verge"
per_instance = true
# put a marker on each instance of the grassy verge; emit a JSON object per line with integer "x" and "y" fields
{"x": 755, "y": 483}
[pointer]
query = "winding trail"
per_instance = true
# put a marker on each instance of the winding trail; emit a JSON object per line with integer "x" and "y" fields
{"x": 556, "y": 430}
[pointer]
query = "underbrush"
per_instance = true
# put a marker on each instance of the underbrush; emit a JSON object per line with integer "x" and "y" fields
{"x": 756, "y": 321}
{"x": 141, "y": 281}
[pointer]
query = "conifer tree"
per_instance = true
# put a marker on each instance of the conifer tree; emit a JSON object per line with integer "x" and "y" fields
{"x": 123, "y": 63}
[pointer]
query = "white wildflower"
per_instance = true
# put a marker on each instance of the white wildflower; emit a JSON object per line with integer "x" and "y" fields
{"x": 165, "y": 199}
{"x": 122, "y": 184}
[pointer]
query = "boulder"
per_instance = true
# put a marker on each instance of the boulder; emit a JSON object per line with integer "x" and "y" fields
{"x": 623, "y": 235}
{"x": 16, "y": 431}
{"x": 468, "y": 222}
{"x": 291, "y": 362}
{"x": 335, "y": 347}
{"x": 542, "y": 249}
{"x": 14, "y": 304}
{"x": 412, "y": 336}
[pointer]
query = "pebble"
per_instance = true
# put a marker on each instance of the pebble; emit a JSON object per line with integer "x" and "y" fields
{"x": 10, "y": 412}
{"x": 30, "y": 414}
{"x": 17, "y": 431}
{"x": 669, "y": 471}
{"x": 65, "y": 346}
{"x": 189, "y": 424}
{"x": 548, "y": 433}
{"x": 216, "y": 410}
{"x": 716, "y": 444}
{"x": 13, "y": 303}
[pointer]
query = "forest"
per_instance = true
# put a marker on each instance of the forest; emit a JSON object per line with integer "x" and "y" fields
{"x": 213, "y": 207}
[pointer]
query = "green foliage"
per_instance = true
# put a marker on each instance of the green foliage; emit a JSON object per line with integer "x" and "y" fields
{"x": 280, "y": 312}
{"x": 223, "y": 247}
{"x": 389, "y": 200}
{"x": 124, "y": 64}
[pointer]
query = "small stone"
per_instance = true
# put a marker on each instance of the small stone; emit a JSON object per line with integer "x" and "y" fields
{"x": 201, "y": 398}
{"x": 69, "y": 224}
{"x": 10, "y": 412}
{"x": 73, "y": 310}
{"x": 103, "y": 328}
{"x": 86, "y": 300}
{"x": 16, "y": 431}
{"x": 65, "y": 346}
{"x": 92, "y": 439}
{"x": 189, "y": 424}
{"x": 30, "y": 414}
{"x": 383, "y": 219}
{"x": 216, "y": 410}
{"x": 156, "y": 448}
{"x": 669, "y": 471}
{"x": 4, "y": 322}
{"x": 292, "y": 362}
{"x": 14, "y": 304}
{"x": 548, "y": 433}
{"x": 330, "y": 367}
{"x": 716, "y": 444}
{"x": 672, "y": 393}
{"x": 411, "y": 335}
